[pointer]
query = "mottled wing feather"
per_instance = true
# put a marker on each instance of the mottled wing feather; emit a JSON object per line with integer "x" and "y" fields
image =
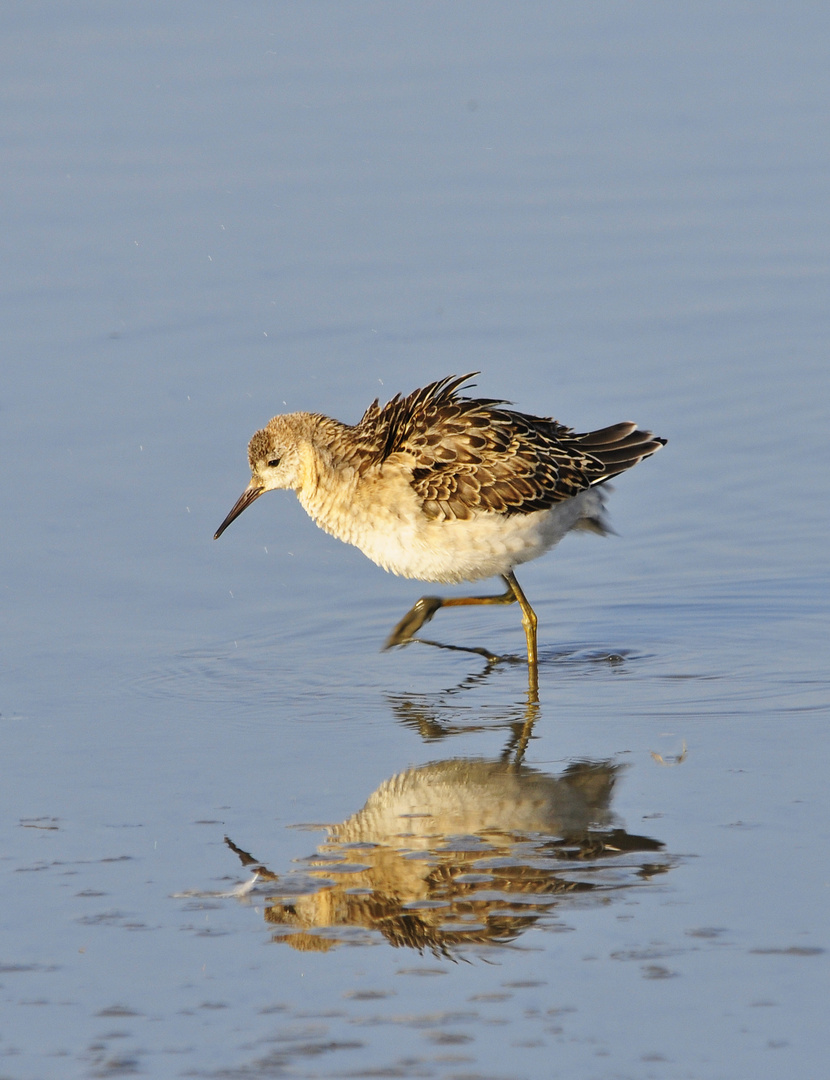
{"x": 383, "y": 430}
{"x": 469, "y": 455}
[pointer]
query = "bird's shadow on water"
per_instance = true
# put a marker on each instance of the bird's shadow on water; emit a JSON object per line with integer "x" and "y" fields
{"x": 573, "y": 659}
{"x": 563, "y": 654}
{"x": 256, "y": 668}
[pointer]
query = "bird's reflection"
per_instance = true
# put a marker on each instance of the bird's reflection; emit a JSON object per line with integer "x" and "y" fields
{"x": 438, "y": 717}
{"x": 465, "y": 852}
{"x": 581, "y": 660}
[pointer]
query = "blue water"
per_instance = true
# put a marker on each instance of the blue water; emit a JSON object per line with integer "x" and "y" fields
{"x": 214, "y": 213}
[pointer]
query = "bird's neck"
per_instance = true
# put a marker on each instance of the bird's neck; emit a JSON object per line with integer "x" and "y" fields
{"x": 329, "y": 478}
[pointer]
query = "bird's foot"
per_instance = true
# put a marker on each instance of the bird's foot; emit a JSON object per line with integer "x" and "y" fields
{"x": 414, "y": 619}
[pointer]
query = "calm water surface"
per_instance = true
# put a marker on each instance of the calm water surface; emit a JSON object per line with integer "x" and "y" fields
{"x": 237, "y": 839}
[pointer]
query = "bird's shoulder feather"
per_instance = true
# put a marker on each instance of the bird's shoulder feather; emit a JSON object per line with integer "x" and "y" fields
{"x": 468, "y": 455}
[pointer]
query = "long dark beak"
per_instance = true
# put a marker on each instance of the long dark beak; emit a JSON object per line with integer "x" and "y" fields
{"x": 249, "y": 495}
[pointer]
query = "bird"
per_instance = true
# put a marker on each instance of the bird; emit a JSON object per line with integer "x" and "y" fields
{"x": 442, "y": 487}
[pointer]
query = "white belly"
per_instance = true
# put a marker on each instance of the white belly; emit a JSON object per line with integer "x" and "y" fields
{"x": 386, "y": 522}
{"x": 484, "y": 546}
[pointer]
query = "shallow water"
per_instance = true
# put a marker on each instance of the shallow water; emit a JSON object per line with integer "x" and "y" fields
{"x": 239, "y": 840}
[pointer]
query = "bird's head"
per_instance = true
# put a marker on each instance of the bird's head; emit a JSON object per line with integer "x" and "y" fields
{"x": 275, "y": 459}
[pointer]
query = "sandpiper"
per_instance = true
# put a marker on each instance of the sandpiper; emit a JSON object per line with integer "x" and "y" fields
{"x": 441, "y": 487}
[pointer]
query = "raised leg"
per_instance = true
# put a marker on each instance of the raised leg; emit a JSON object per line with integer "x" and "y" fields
{"x": 426, "y": 607}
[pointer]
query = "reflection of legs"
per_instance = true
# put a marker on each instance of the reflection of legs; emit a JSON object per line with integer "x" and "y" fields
{"x": 426, "y": 607}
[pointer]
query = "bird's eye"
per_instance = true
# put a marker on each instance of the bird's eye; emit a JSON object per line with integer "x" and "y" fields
{"x": 273, "y": 463}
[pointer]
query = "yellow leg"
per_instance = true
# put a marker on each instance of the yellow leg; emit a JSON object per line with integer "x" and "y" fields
{"x": 426, "y": 607}
{"x": 529, "y": 619}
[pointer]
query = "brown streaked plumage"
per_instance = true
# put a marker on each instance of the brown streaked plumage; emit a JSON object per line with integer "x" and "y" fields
{"x": 441, "y": 487}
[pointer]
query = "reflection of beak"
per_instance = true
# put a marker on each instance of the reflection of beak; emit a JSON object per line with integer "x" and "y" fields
{"x": 251, "y": 493}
